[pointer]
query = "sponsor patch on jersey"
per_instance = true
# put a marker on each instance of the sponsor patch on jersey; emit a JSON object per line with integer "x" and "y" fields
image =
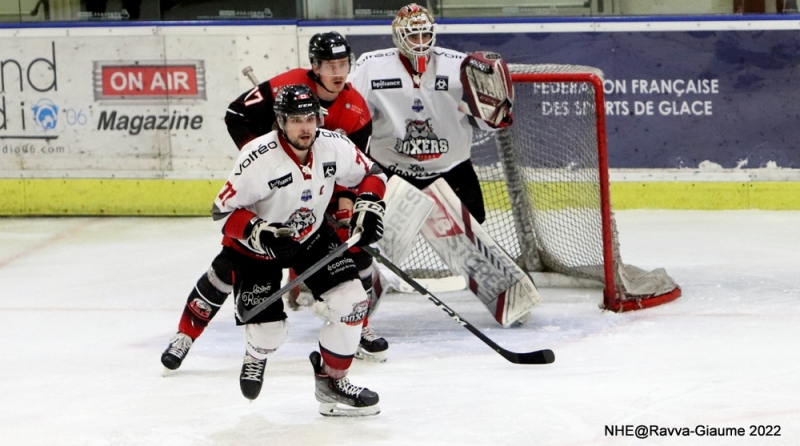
{"x": 417, "y": 106}
{"x": 329, "y": 169}
{"x": 306, "y": 195}
{"x": 281, "y": 182}
{"x": 442, "y": 83}
{"x": 382, "y": 84}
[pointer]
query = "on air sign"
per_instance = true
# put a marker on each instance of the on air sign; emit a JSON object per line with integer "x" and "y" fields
{"x": 149, "y": 80}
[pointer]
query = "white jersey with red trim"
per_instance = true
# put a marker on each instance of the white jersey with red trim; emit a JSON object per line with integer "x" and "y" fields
{"x": 268, "y": 181}
{"x": 417, "y": 129}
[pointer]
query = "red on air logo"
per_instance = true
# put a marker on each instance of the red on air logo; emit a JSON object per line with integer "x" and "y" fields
{"x": 149, "y": 80}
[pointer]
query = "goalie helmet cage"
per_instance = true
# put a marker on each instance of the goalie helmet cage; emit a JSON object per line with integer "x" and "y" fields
{"x": 546, "y": 189}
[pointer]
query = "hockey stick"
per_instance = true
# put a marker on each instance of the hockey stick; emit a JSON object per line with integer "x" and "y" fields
{"x": 545, "y": 356}
{"x": 248, "y": 71}
{"x": 248, "y": 314}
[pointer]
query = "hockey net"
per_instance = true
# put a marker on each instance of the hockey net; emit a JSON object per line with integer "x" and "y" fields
{"x": 546, "y": 190}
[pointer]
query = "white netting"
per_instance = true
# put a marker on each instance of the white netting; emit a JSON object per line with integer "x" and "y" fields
{"x": 541, "y": 184}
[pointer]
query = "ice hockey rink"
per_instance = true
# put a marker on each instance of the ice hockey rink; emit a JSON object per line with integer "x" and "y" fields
{"x": 87, "y": 305}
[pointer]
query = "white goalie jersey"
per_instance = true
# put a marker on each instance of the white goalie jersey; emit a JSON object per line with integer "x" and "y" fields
{"x": 417, "y": 129}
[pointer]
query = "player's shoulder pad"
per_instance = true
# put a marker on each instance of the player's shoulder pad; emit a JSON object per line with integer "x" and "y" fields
{"x": 445, "y": 55}
{"x": 333, "y": 137}
{"x": 376, "y": 56}
{"x": 293, "y": 76}
{"x": 351, "y": 95}
{"x": 256, "y": 151}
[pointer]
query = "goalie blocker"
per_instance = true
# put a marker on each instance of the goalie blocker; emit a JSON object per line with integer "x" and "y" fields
{"x": 488, "y": 91}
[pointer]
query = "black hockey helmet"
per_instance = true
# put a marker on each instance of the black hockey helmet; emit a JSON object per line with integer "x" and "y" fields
{"x": 297, "y": 99}
{"x": 329, "y": 46}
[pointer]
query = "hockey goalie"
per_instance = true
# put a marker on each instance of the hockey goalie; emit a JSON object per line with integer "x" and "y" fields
{"x": 453, "y": 233}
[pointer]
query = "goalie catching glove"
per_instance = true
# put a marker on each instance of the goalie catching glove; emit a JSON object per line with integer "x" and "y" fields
{"x": 368, "y": 218}
{"x": 274, "y": 240}
{"x": 488, "y": 91}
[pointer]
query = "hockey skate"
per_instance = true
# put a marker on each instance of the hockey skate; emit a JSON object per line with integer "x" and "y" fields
{"x": 371, "y": 347}
{"x": 252, "y": 376}
{"x": 173, "y": 356}
{"x": 339, "y": 398}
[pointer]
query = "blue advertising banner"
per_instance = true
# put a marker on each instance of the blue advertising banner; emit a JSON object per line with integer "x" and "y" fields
{"x": 674, "y": 98}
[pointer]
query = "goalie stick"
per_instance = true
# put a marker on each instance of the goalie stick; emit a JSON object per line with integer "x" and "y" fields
{"x": 248, "y": 314}
{"x": 545, "y": 356}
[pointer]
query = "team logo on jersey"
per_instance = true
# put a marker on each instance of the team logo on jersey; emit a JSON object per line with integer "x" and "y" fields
{"x": 417, "y": 107}
{"x": 356, "y": 317}
{"x": 420, "y": 142}
{"x": 303, "y": 220}
{"x": 306, "y": 195}
{"x": 281, "y": 182}
{"x": 200, "y": 307}
{"x": 442, "y": 83}
{"x": 383, "y": 84}
{"x": 329, "y": 169}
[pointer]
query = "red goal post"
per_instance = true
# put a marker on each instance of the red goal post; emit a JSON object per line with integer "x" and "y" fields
{"x": 546, "y": 189}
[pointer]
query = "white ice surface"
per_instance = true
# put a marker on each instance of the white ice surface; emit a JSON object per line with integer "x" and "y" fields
{"x": 87, "y": 305}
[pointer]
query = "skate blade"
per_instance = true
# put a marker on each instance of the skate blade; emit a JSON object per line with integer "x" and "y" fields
{"x": 334, "y": 410}
{"x": 166, "y": 372}
{"x": 370, "y": 357}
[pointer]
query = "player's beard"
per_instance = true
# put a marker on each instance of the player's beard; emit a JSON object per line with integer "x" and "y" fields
{"x": 303, "y": 144}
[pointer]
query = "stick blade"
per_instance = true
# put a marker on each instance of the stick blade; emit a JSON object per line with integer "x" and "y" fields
{"x": 545, "y": 356}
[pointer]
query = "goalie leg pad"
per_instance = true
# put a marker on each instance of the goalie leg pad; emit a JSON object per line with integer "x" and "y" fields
{"x": 505, "y": 289}
{"x": 406, "y": 210}
{"x": 464, "y": 182}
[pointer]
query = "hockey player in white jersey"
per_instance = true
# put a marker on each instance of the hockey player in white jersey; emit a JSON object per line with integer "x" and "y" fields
{"x": 271, "y": 211}
{"x": 414, "y": 92}
{"x": 252, "y": 115}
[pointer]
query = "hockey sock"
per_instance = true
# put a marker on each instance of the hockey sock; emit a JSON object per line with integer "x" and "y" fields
{"x": 202, "y": 305}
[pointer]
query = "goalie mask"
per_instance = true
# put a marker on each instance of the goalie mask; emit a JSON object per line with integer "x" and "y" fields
{"x": 414, "y": 34}
{"x": 297, "y": 101}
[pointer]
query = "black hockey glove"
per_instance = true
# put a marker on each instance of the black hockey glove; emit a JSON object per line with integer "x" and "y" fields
{"x": 274, "y": 240}
{"x": 368, "y": 218}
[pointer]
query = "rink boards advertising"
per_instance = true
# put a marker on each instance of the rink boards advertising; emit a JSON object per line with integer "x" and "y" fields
{"x": 124, "y": 120}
